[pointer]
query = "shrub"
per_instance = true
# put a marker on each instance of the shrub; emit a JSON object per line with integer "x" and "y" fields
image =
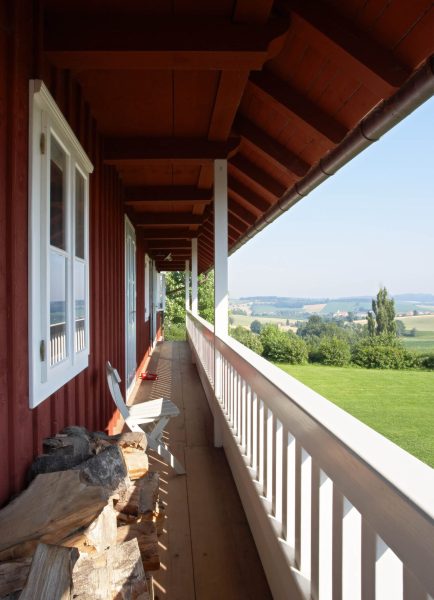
{"x": 427, "y": 361}
{"x": 247, "y": 338}
{"x": 174, "y": 332}
{"x": 334, "y": 351}
{"x": 279, "y": 346}
{"x": 383, "y": 352}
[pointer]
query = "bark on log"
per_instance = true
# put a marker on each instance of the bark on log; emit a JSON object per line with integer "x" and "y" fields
{"x": 107, "y": 469}
{"x": 50, "y": 509}
{"x": 50, "y": 575}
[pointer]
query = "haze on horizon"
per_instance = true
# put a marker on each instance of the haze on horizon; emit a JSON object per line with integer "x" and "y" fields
{"x": 369, "y": 225}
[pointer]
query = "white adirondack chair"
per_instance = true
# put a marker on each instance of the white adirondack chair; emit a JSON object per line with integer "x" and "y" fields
{"x": 146, "y": 413}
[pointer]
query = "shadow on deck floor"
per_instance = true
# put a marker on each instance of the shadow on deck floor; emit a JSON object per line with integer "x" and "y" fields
{"x": 207, "y": 551}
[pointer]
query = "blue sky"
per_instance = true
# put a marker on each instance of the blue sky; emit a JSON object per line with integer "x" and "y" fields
{"x": 370, "y": 224}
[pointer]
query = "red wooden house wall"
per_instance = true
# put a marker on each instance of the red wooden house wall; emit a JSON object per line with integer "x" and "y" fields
{"x": 85, "y": 399}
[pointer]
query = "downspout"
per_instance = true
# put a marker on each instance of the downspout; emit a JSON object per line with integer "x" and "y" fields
{"x": 418, "y": 89}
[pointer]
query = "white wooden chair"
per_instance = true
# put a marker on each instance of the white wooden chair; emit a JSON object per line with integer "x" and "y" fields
{"x": 146, "y": 413}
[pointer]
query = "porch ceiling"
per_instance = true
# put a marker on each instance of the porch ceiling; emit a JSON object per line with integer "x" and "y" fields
{"x": 271, "y": 85}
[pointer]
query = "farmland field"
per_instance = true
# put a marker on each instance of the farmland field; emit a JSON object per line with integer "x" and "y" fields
{"x": 420, "y": 322}
{"x": 397, "y": 404}
{"x": 245, "y": 320}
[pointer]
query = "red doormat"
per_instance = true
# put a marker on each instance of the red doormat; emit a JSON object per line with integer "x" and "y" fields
{"x": 146, "y": 375}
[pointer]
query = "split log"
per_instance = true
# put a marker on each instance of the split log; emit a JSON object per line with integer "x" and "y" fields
{"x": 159, "y": 518}
{"x": 140, "y": 496}
{"x": 50, "y": 509}
{"x": 50, "y": 575}
{"x": 133, "y": 439}
{"x": 148, "y": 493}
{"x": 137, "y": 462}
{"x": 100, "y": 534}
{"x": 116, "y": 573}
{"x": 13, "y": 575}
{"x": 146, "y": 534}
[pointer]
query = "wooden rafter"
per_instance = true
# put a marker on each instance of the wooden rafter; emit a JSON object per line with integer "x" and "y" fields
{"x": 167, "y": 193}
{"x": 163, "y": 244}
{"x": 241, "y": 212}
{"x": 244, "y": 192}
{"x": 258, "y": 175}
{"x": 170, "y": 234}
{"x": 172, "y": 218}
{"x": 290, "y": 102}
{"x": 268, "y": 145}
{"x": 230, "y": 91}
{"x": 117, "y": 150}
{"x": 353, "y": 49}
{"x": 114, "y": 41}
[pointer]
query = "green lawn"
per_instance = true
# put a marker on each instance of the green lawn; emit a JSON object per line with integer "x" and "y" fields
{"x": 397, "y": 404}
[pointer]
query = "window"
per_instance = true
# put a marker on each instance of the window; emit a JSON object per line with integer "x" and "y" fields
{"x": 58, "y": 248}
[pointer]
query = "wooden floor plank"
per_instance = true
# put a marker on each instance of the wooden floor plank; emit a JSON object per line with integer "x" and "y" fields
{"x": 207, "y": 550}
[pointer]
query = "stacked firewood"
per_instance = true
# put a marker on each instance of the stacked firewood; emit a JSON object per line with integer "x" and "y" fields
{"x": 86, "y": 527}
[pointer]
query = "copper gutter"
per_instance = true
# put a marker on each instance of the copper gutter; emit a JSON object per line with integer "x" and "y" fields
{"x": 418, "y": 89}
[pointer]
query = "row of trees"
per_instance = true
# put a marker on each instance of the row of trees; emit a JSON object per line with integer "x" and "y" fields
{"x": 375, "y": 345}
{"x": 174, "y": 317}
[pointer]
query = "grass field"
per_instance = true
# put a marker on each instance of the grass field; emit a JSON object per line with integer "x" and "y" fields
{"x": 397, "y": 404}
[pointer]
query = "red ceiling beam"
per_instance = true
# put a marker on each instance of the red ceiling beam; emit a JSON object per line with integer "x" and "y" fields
{"x": 170, "y": 218}
{"x": 353, "y": 49}
{"x": 258, "y": 175}
{"x": 244, "y": 192}
{"x": 169, "y": 234}
{"x": 266, "y": 144}
{"x": 168, "y": 193}
{"x": 294, "y": 105}
{"x": 165, "y": 245}
{"x": 247, "y": 11}
{"x": 119, "y": 41}
{"x": 140, "y": 149}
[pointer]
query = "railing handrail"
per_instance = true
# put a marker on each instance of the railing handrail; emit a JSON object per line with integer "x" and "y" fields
{"x": 410, "y": 476}
{"x": 263, "y": 408}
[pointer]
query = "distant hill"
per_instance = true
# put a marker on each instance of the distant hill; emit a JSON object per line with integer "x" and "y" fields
{"x": 303, "y": 307}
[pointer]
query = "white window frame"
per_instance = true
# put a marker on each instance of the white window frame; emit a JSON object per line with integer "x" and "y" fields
{"x": 146, "y": 290}
{"x": 46, "y": 120}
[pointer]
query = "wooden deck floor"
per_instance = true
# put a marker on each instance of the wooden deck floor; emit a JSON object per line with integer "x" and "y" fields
{"x": 207, "y": 551}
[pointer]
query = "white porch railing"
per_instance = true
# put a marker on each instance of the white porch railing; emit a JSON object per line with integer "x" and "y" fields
{"x": 331, "y": 504}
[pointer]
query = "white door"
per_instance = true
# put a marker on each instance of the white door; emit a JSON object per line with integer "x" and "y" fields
{"x": 130, "y": 306}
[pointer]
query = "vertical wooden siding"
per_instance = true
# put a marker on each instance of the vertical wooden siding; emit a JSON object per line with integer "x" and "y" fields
{"x": 84, "y": 400}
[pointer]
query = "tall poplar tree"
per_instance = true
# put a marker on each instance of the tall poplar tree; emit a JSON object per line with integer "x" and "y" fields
{"x": 382, "y": 318}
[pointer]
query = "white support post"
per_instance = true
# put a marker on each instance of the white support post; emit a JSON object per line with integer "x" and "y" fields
{"x": 194, "y": 298}
{"x": 221, "y": 247}
{"x": 163, "y": 291}
{"x": 221, "y": 304}
{"x": 187, "y": 284}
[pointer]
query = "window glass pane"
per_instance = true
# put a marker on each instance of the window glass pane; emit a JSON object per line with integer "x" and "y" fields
{"x": 80, "y": 305}
{"x": 58, "y": 337}
{"x": 79, "y": 215}
{"x": 57, "y": 196}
